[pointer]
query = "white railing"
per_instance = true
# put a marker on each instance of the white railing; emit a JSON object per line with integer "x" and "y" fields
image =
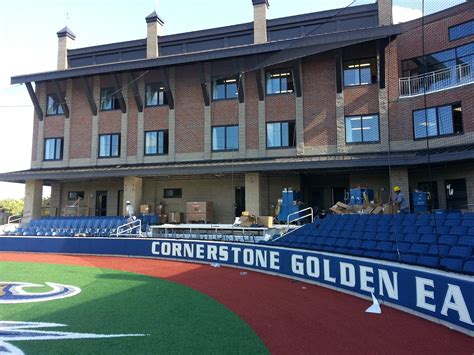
{"x": 15, "y": 218}
{"x": 442, "y": 79}
{"x": 298, "y": 213}
{"x": 130, "y": 229}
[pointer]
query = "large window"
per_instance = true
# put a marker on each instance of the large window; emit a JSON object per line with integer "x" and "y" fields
{"x": 172, "y": 193}
{"x": 225, "y": 138}
{"x": 362, "y": 129}
{"x": 109, "y": 145}
{"x": 360, "y": 72}
{"x": 54, "y": 105}
{"x": 460, "y": 31}
{"x": 108, "y": 99}
{"x": 438, "y": 121}
{"x": 281, "y": 134}
{"x": 53, "y": 149}
{"x": 156, "y": 142}
{"x": 224, "y": 88}
{"x": 155, "y": 95}
{"x": 279, "y": 82}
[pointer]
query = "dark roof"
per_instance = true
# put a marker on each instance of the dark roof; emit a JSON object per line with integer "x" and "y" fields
{"x": 237, "y": 166}
{"x": 153, "y": 17}
{"x": 66, "y": 31}
{"x": 316, "y": 43}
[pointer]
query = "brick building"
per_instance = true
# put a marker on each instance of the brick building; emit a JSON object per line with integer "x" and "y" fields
{"x": 319, "y": 102}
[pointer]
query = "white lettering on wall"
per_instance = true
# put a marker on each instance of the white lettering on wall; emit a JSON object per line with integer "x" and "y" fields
{"x": 297, "y": 266}
{"x": 327, "y": 272}
{"x": 422, "y": 293}
{"x": 365, "y": 278}
{"x": 347, "y": 272}
{"x": 454, "y": 300}
{"x": 390, "y": 285}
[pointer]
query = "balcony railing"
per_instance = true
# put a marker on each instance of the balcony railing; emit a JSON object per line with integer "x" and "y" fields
{"x": 443, "y": 79}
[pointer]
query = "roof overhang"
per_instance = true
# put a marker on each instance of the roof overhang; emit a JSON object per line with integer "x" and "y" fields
{"x": 287, "y": 50}
{"x": 305, "y": 163}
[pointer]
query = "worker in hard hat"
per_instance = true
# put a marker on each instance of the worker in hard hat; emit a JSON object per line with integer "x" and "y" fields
{"x": 399, "y": 200}
{"x": 129, "y": 210}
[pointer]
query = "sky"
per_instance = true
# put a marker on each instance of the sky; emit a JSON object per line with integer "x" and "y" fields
{"x": 29, "y": 45}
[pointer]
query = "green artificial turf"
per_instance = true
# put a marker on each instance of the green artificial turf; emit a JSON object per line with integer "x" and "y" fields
{"x": 175, "y": 318}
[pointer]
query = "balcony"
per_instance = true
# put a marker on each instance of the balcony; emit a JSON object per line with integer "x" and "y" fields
{"x": 459, "y": 75}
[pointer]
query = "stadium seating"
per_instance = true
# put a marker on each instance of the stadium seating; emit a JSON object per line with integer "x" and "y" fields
{"x": 440, "y": 240}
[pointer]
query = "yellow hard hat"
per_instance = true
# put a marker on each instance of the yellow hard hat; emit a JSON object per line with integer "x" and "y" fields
{"x": 396, "y": 188}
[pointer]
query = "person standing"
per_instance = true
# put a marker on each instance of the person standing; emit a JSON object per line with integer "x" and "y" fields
{"x": 129, "y": 210}
{"x": 400, "y": 200}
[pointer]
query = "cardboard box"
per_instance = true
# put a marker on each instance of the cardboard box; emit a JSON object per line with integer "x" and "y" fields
{"x": 266, "y": 221}
{"x": 199, "y": 211}
{"x": 145, "y": 209}
{"x": 175, "y": 217}
{"x": 390, "y": 209}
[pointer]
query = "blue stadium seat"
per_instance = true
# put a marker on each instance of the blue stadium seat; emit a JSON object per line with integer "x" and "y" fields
{"x": 369, "y": 235}
{"x": 429, "y": 239}
{"x": 425, "y": 230}
{"x": 452, "y": 222}
{"x": 469, "y": 266}
{"x": 371, "y": 254}
{"x": 354, "y": 243}
{"x": 438, "y": 249}
{"x": 410, "y": 229}
{"x": 467, "y": 222}
{"x": 368, "y": 244}
{"x": 460, "y": 251}
{"x": 411, "y": 237}
{"x": 419, "y": 248}
{"x": 466, "y": 240}
{"x": 427, "y": 260}
{"x": 452, "y": 264}
{"x": 389, "y": 255}
{"x": 384, "y": 246}
{"x": 470, "y": 231}
{"x": 408, "y": 258}
{"x": 448, "y": 239}
{"x": 458, "y": 230}
{"x": 401, "y": 246}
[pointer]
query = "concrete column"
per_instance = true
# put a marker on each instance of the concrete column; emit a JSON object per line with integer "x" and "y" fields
{"x": 260, "y": 21}
{"x": 385, "y": 12}
{"x": 341, "y": 132}
{"x": 141, "y": 126}
{"x": 41, "y": 92}
{"x": 172, "y": 119}
{"x": 207, "y": 118}
{"x": 299, "y": 126}
{"x": 132, "y": 191}
{"x": 65, "y": 40}
{"x": 262, "y": 127}
{"x": 256, "y": 194}
{"x": 95, "y": 124}
{"x": 55, "y": 200}
{"x": 124, "y": 124}
{"x": 399, "y": 177}
{"x": 154, "y": 28}
{"x": 33, "y": 200}
{"x": 67, "y": 123}
{"x": 242, "y": 128}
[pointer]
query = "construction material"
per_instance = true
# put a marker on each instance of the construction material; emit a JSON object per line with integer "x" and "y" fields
{"x": 360, "y": 196}
{"x": 290, "y": 203}
{"x": 199, "y": 212}
{"x": 175, "y": 217}
{"x": 266, "y": 221}
{"x": 145, "y": 209}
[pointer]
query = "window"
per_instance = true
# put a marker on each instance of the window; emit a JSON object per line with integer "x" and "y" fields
{"x": 224, "y": 88}
{"x": 438, "y": 121}
{"x": 360, "y": 72}
{"x": 53, "y": 105}
{"x": 109, "y": 145}
{"x": 456, "y": 194}
{"x": 155, "y": 95}
{"x": 156, "y": 142}
{"x": 225, "y": 138}
{"x": 172, "y": 193}
{"x": 53, "y": 149}
{"x": 362, "y": 129}
{"x": 74, "y": 195}
{"x": 108, "y": 100}
{"x": 279, "y": 82}
{"x": 281, "y": 134}
{"x": 460, "y": 31}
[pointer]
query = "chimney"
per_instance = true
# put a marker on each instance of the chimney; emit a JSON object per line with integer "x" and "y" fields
{"x": 385, "y": 12}
{"x": 154, "y": 29}
{"x": 260, "y": 21}
{"x": 65, "y": 39}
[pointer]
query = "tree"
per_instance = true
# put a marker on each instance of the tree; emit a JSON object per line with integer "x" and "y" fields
{"x": 12, "y": 206}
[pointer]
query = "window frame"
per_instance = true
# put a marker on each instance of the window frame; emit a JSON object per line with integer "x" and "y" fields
{"x": 280, "y": 71}
{"x": 225, "y": 149}
{"x": 226, "y": 97}
{"x": 110, "y": 146}
{"x": 459, "y": 25}
{"x": 165, "y": 142}
{"x": 74, "y": 195}
{"x": 56, "y": 104}
{"x": 452, "y": 105}
{"x": 160, "y": 89}
{"x": 56, "y": 139}
{"x": 175, "y": 192}
{"x": 113, "y": 97}
{"x": 356, "y": 61}
{"x": 362, "y": 130}
{"x": 290, "y": 139}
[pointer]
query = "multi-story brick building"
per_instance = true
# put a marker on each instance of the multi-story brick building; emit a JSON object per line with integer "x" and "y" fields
{"x": 319, "y": 102}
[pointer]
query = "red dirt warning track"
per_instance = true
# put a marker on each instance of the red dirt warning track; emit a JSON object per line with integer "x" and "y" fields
{"x": 290, "y": 317}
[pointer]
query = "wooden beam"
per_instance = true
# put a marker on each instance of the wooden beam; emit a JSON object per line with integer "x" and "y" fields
{"x": 240, "y": 81}
{"x": 258, "y": 78}
{"x": 168, "y": 92}
{"x": 338, "y": 59}
{"x": 297, "y": 78}
{"x": 90, "y": 98}
{"x": 119, "y": 94}
{"x": 61, "y": 97}
{"x": 35, "y": 101}
{"x": 205, "y": 91}
{"x": 136, "y": 92}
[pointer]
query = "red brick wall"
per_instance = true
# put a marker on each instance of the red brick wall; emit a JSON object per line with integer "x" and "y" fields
{"x": 251, "y": 111}
{"x": 319, "y": 100}
{"x": 132, "y": 124}
{"x": 360, "y": 100}
{"x": 109, "y": 121}
{"x": 225, "y": 112}
{"x": 81, "y": 123}
{"x": 156, "y": 118}
{"x": 54, "y": 124}
{"x": 280, "y": 107}
{"x": 189, "y": 110}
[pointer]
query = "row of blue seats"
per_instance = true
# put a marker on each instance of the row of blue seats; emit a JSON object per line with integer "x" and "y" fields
{"x": 148, "y": 220}
{"x": 71, "y": 226}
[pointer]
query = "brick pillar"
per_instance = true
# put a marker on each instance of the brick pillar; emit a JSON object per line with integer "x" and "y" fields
{"x": 260, "y": 21}
{"x": 256, "y": 194}
{"x": 65, "y": 39}
{"x": 399, "y": 177}
{"x": 385, "y": 12}
{"x": 154, "y": 28}
{"x": 55, "y": 200}
{"x": 33, "y": 199}
{"x": 132, "y": 191}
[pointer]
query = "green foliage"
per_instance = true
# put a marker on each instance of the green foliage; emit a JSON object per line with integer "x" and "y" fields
{"x": 13, "y": 206}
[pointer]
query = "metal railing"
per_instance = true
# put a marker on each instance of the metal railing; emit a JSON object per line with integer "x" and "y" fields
{"x": 15, "y": 218}
{"x": 130, "y": 229}
{"x": 297, "y": 213}
{"x": 442, "y": 79}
